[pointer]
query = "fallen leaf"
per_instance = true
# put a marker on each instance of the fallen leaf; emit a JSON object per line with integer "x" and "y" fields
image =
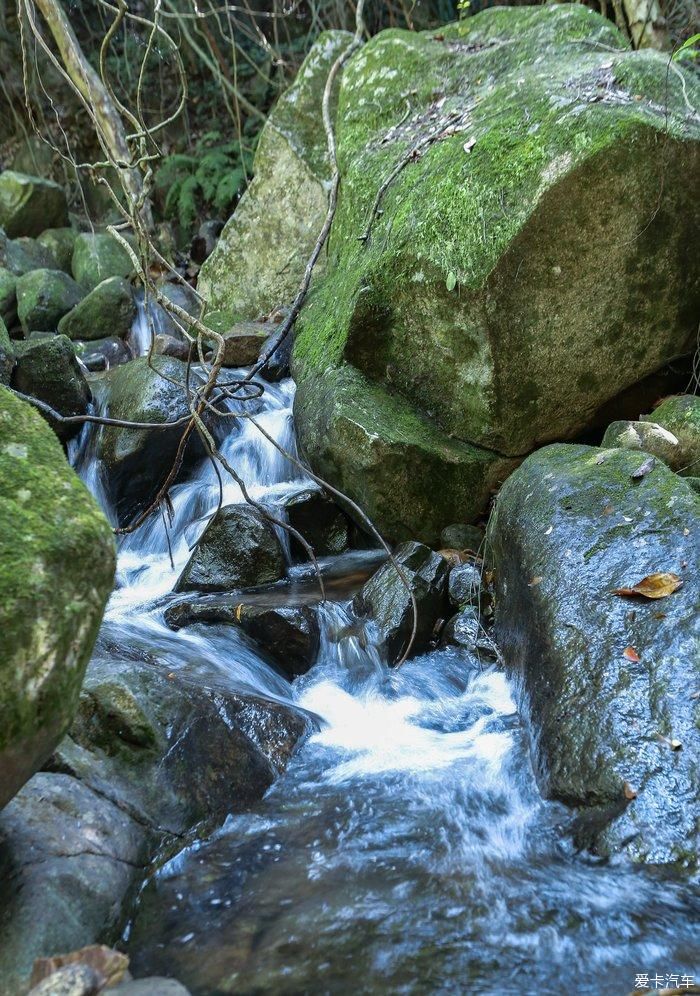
{"x": 548, "y": 531}
{"x": 644, "y": 468}
{"x": 659, "y": 585}
{"x": 672, "y": 743}
{"x": 630, "y": 792}
{"x": 110, "y": 965}
{"x": 454, "y": 557}
{"x": 686, "y": 532}
{"x": 608, "y": 510}
{"x": 451, "y": 281}
{"x": 469, "y": 145}
{"x": 533, "y": 581}
{"x": 631, "y": 654}
{"x": 601, "y": 458}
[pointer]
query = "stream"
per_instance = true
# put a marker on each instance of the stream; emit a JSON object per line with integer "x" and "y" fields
{"x": 406, "y": 848}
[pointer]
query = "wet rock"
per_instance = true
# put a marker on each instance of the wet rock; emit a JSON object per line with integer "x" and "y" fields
{"x": 238, "y": 549}
{"x": 152, "y": 986}
{"x": 56, "y": 571}
{"x": 29, "y": 204}
{"x": 102, "y": 354}
{"x": 319, "y": 520}
{"x": 260, "y": 258}
{"x": 47, "y": 369}
{"x": 138, "y": 461}
{"x": 277, "y": 366}
{"x": 97, "y": 256}
{"x": 289, "y": 635}
{"x": 60, "y": 242}
{"x": 7, "y": 354}
{"x": 425, "y": 309}
{"x": 242, "y": 343}
{"x": 646, "y": 436}
{"x": 8, "y": 297}
{"x": 386, "y": 600}
{"x": 461, "y": 536}
{"x": 570, "y": 527}
{"x": 680, "y": 415}
{"x": 464, "y": 585}
{"x": 43, "y": 298}
{"x": 185, "y": 298}
{"x": 67, "y": 857}
{"x": 168, "y": 345}
{"x": 71, "y": 980}
{"x": 205, "y": 240}
{"x": 463, "y": 629}
{"x": 108, "y": 310}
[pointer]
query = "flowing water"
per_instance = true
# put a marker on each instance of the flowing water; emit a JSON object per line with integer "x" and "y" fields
{"x": 406, "y": 848}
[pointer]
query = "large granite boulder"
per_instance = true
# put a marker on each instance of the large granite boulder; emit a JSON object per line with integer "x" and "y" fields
{"x": 260, "y": 257}
{"x": 610, "y": 681}
{"x": 501, "y": 293}
{"x": 56, "y": 571}
{"x": 29, "y": 204}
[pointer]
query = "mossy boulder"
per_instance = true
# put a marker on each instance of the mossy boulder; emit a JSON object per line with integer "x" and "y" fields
{"x": 138, "y": 461}
{"x": 108, "y": 310}
{"x": 646, "y": 436}
{"x": 43, "y": 298}
{"x": 260, "y": 257}
{"x": 56, "y": 571}
{"x": 534, "y": 254}
{"x": 609, "y": 681}
{"x": 46, "y": 368}
{"x": 96, "y": 256}
{"x": 8, "y": 296}
{"x": 29, "y": 204}
{"x": 7, "y": 354}
{"x": 60, "y": 242}
{"x": 680, "y": 415}
{"x": 22, "y": 255}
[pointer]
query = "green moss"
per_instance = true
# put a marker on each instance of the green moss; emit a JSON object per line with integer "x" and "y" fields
{"x": 56, "y": 570}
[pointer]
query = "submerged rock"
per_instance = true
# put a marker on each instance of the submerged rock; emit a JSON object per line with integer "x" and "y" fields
{"x": 108, "y": 310}
{"x": 609, "y": 680}
{"x": 138, "y": 461}
{"x": 29, "y": 204}
{"x": 238, "y": 549}
{"x": 56, "y": 571}
{"x": 386, "y": 599}
{"x": 150, "y": 755}
{"x": 97, "y": 256}
{"x": 47, "y": 369}
{"x": 43, "y": 298}
{"x": 419, "y": 388}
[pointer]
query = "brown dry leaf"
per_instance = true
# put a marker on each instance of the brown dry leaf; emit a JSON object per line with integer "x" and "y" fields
{"x": 629, "y": 790}
{"x": 659, "y": 585}
{"x": 108, "y": 963}
{"x": 533, "y": 581}
{"x": 608, "y": 510}
{"x": 454, "y": 557}
{"x": 631, "y": 654}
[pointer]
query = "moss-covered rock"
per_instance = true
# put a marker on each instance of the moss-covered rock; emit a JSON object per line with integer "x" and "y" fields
{"x": 529, "y": 262}
{"x": 647, "y": 436}
{"x": 60, "y": 242}
{"x": 22, "y": 255}
{"x": 29, "y": 204}
{"x": 137, "y": 461}
{"x": 680, "y": 415}
{"x": 8, "y": 296}
{"x": 108, "y": 310}
{"x": 46, "y": 368}
{"x": 43, "y": 298}
{"x": 260, "y": 257}
{"x": 56, "y": 571}
{"x": 7, "y": 354}
{"x": 608, "y": 680}
{"x": 96, "y": 256}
